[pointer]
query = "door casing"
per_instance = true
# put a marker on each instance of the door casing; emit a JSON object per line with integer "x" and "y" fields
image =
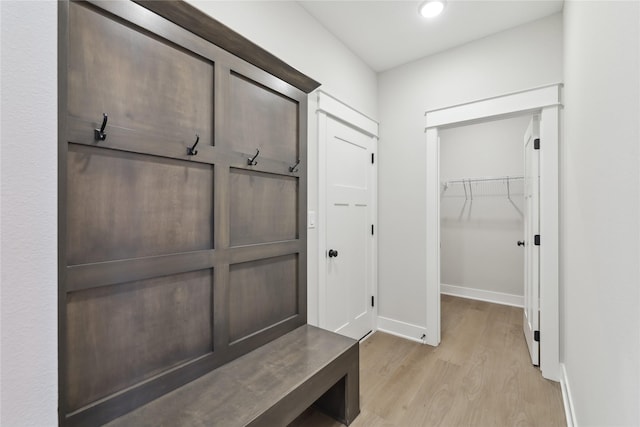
{"x": 546, "y": 102}
{"x": 330, "y": 107}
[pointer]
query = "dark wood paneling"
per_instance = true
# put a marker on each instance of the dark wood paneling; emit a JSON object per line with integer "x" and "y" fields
{"x": 123, "y": 205}
{"x": 120, "y": 335}
{"x": 262, "y": 119}
{"x": 264, "y": 207}
{"x": 240, "y": 254}
{"x": 203, "y": 25}
{"x": 261, "y": 293}
{"x": 86, "y": 276}
{"x": 140, "y": 81}
{"x": 63, "y": 46}
{"x": 139, "y": 217}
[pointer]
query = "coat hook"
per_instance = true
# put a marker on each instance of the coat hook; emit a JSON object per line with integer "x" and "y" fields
{"x": 192, "y": 150}
{"x": 294, "y": 168}
{"x": 99, "y": 134}
{"x": 252, "y": 161}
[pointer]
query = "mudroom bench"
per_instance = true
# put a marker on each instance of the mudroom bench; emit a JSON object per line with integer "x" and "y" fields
{"x": 269, "y": 386}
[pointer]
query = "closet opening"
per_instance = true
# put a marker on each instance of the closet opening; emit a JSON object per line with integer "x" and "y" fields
{"x": 484, "y": 205}
{"x": 542, "y": 102}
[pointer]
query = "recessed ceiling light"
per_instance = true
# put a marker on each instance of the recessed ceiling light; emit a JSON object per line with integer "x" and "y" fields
{"x": 431, "y": 8}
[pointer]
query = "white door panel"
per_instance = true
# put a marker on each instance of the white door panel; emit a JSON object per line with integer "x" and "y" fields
{"x": 348, "y": 287}
{"x": 531, "y": 317}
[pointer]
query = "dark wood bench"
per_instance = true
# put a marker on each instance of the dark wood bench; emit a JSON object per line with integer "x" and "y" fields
{"x": 269, "y": 386}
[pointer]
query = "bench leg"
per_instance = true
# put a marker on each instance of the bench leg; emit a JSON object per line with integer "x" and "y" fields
{"x": 342, "y": 401}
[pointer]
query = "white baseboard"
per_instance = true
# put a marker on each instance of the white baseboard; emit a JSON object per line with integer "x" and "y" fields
{"x": 402, "y": 330}
{"x": 566, "y": 398}
{"x": 482, "y": 295}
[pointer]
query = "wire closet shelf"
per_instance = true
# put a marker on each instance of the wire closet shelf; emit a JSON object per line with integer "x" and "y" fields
{"x": 469, "y": 188}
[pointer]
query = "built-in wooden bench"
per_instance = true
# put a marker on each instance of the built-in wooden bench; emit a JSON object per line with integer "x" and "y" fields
{"x": 269, "y": 386}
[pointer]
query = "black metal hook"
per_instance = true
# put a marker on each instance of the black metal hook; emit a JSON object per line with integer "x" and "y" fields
{"x": 99, "y": 134}
{"x": 252, "y": 161}
{"x": 192, "y": 150}
{"x": 294, "y": 168}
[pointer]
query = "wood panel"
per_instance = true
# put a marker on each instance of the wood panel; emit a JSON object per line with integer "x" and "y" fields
{"x": 125, "y": 205}
{"x": 120, "y": 335}
{"x": 146, "y": 229}
{"x": 261, "y": 294}
{"x": 187, "y": 16}
{"x": 260, "y": 118}
{"x": 263, "y": 207}
{"x": 142, "y": 82}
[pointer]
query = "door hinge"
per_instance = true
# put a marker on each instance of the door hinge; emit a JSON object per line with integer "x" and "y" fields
{"x": 372, "y": 158}
{"x": 536, "y": 240}
{"x": 536, "y": 336}
{"x": 536, "y": 144}
{"x": 372, "y": 229}
{"x": 373, "y": 301}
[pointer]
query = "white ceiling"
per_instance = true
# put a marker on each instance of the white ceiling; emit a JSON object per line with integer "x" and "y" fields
{"x": 385, "y": 34}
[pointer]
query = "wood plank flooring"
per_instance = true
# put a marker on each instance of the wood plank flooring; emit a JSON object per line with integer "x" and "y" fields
{"x": 480, "y": 375}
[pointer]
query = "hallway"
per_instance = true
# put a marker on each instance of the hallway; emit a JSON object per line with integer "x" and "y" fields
{"x": 480, "y": 375}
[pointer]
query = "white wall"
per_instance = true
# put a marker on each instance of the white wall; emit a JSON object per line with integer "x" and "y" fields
{"x": 517, "y": 59}
{"x": 478, "y": 236}
{"x": 29, "y": 182}
{"x": 29, "y": 173}
{"x": 600, "y": 239}
{"x": 287, "y": 30}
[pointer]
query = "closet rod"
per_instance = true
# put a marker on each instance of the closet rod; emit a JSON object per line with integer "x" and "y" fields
{"x": 498, "y": 178}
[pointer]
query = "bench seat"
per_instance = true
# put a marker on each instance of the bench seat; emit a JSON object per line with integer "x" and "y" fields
{"x": 269, "y": 386}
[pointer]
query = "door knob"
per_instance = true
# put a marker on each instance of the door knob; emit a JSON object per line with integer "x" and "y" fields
{"x": 520, "y": 242}
{"x": 333, "y": 253}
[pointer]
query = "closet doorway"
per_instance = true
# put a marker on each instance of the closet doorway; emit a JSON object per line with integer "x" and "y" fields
{"x": 489, "y": 208}
{"x": 543, "y": 102}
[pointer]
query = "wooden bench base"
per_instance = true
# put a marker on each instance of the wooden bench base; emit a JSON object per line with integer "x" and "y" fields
{"x": 270, "y": 386}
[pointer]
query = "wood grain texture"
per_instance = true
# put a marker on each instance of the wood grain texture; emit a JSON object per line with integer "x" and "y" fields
{"x": 261, "y": 294}
{"x": 136, "y": 211}
{"x": 125, "y": 205}
{"x": 120, "y": 335}
{"x": 217, "y": 33}
{"x": 480, "y": 375}
{"x": 142, "y": 82}
{"x": 287, "y": 374}
{"x": 262, "y": 118}
{"x": 263, "y": 207}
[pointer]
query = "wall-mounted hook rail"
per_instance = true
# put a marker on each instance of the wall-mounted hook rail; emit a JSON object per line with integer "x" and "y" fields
{"x": 99, "y": 134}
{"x": 192, "y": 150}
{"x": 294, "y": 168}
{"x": 252, "y": 161}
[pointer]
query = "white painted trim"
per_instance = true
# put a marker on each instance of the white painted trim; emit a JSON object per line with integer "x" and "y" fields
{"x": 546, "y": 102}
{"x": 432, "y": 264}
{"x": 402, "y": 329}
{"x": 322, "y": 217}
{"x": 483, "y": 295}
{"x": 343, "y": 112}
{"x": 567, "y": 400}
{"x": 514, "y": 103}
{"x": 549, "y": 243}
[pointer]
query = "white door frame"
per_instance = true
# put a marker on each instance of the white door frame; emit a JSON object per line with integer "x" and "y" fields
{"x": 329, "y": 106}
{"x": 546, "y": 102}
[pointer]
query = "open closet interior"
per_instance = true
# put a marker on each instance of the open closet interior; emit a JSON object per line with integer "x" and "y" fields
{"x": 481, "y": 213}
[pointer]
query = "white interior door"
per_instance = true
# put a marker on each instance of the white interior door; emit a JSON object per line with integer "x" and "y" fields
{"x": 532, "y": 251}
{"x": 349, "y": 240}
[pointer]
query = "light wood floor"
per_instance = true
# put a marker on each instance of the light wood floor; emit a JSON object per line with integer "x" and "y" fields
{"x": 480, "y": 375}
